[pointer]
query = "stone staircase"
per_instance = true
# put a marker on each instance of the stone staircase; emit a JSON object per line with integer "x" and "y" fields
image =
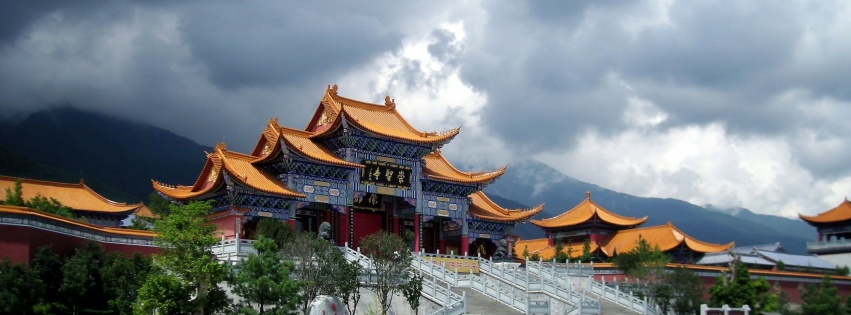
{"x": 478, "y": 303}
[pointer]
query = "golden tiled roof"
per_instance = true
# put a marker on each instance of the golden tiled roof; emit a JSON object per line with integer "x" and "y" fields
{"x": 145, "y": 212}
{"x": 484, "y": 208}
{"x": 840, "y": 213}
{"x": 436, "y": 167}
{"x": 546, "y": 252}
{"x": 585, "y": 211}
{"x": 380, "y": 119}
{"x": 209, "y": 180}
{"x": 240, "y": 168}
{"x": 33, "y": 212}
{"x": 301, "y": 142}
{"x": 665, "y": 236}
{"x": 75, "y": 196}
{"x": 268, "y": 143}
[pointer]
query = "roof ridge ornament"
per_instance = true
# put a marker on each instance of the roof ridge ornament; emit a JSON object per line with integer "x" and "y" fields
{"x": 389, "y": 102}
{"x": 332, "y": 89}
{"x": 588, "y": 195}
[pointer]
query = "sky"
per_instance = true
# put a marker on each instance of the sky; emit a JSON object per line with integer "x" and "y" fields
{"x": 729, "y": 103}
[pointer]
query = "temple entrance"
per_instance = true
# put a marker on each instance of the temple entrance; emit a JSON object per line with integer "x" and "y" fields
{"x": 366, "y": 223}
{"x": 429, "y": 236}
{"x": 307, "y": 220}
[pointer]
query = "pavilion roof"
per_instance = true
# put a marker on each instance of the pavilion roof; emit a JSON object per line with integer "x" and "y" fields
{"x": 585, "y": 211}
{"x": 665, "y": 236}
{"x": 240, "y": 168}
{"x": 484, "y": 208}
{"x": 76, "y": 196}
{"x": 383, "y": 120}
{"x": 57, "y": 218}
{"x": 840, "y": 213}
{"x": 545, "y": 251}
{"x": 438, "y": 168}
{"x": 301, "y": 142}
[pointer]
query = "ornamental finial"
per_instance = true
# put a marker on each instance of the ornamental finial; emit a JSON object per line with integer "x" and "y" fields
{"x": 333, "y": 89}
{"x": 389, "y": 102}
{"x": 588, "y": 195}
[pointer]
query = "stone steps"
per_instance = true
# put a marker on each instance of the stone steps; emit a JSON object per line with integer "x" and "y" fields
{"x": 478, "y": 303}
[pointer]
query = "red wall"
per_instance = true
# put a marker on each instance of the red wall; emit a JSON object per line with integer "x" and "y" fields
{"x": 19, "y": 243}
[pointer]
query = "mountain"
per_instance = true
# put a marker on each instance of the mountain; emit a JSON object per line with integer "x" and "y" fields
{"x": 116, "y": 157}
{"x": 529, "y": 182}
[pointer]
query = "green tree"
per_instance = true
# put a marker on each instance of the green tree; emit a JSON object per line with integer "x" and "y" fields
{"x": 412, "y": 290}
{"x": 277, "y": 230}
{"x": 14, "y": 195}
{"x": 159, "y": 205}
{"x": 122, "y": 276}
{"x": 560, "y": 256}
{"x": 318, "y": 264}
{"x": 47, "y": 268}
{"x": 686, "y": 290}
{"x": 349, "y": 285}
{"x": 647, "y": 263}
{"x": 586, "y": 251}
{"x": 822, "y": 299}
{"x": 535, "y": 257}
{"x": 49, "y": 205}
{"x": 391, "y": 263}
{"x": 18, "y": 291}
{"x": 736, "y": 288}
{"x": 525, "y": 251}
{"x": 81, "y": 281}
{"x": 264, "y": 279}
{"x": 187, "y": 266}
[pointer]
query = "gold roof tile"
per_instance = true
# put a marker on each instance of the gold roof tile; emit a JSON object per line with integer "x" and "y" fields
{"x": 75, "y": 196}
{"x": 240, "y": 168}
{"x": 665, "y": 236}
{"x": 384, "y": 119}
{"x": 840, "y": 213}
{"x": 547, "y": 252}
{"x": 583, "y": 212}
{"x": 484, "y": 208}
{"x": 112, "y": 230}
{"x": 437, "y": 167}
{"x": 301, "y": 142}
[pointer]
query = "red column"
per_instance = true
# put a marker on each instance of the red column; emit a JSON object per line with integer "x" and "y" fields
{"x": 395, "y": 225}
{"x": 327, "y": 216}
{"x": 292, "y": 224}
{"x": 442, "y": 246}
{"x": 343, "y": 228}
{"x": 819, "y": 237}
{"x": 465, "y": 245}
{"x": 416, "y": 233}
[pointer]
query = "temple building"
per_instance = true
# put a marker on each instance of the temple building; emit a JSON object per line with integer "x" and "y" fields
{"x": 98, "y": 220}
{"x": 834, "y": 234}
{"x": 84, "y": 202}
{"x": 608, "y": 234}
{"x": 361, "y": 168}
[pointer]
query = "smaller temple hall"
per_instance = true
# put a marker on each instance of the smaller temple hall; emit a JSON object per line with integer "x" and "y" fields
{"x": 834, "y": 234}
{"x": 608, "y": 234}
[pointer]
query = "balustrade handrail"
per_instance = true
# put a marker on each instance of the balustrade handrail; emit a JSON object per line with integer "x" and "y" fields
{"x": 625, "y": 299}
{"x": 451, "y": 302}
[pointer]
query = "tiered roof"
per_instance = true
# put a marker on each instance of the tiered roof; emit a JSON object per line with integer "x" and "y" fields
{"x": 438, "y": 168}
{"x": 544, "y": 250}
{"x": 76, "y": 196}
{"x": 69, "y": 221}
{"x": 666, "y": 236}
{"x": 240, "y": 168}
{"x": 484, "y": 208}
{"x": 840, "y": 213}
{"x": 383, "y": 120}
{"x": 585, "y": 211}
{"x": 300, "y": 142}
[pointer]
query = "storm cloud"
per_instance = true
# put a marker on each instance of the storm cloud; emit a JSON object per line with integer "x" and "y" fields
{"x": 739, "y": 104}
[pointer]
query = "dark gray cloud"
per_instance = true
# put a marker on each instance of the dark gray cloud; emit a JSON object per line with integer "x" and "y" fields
{"x": 551, "y": 71}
